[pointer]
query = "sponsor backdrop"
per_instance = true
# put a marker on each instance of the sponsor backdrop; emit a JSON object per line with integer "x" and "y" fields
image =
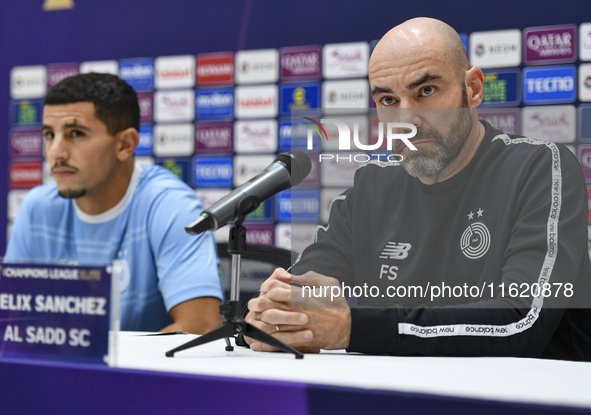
{"x": 218, "y": 87}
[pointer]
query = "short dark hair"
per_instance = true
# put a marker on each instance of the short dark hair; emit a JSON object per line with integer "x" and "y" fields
{"x": 115, "y": 102}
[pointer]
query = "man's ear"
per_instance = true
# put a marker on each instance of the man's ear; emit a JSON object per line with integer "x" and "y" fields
{"x": 127, "y": 141}
{"x": 475, "y": 86}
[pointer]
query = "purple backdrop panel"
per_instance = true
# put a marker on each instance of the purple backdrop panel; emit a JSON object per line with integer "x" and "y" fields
{"x": 86, "y": 389}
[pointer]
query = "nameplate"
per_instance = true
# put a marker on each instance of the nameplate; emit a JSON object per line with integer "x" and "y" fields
{"x": 54, "y": 312}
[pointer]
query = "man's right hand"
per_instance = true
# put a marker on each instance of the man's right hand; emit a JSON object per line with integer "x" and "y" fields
{"x": 271, "y": 312}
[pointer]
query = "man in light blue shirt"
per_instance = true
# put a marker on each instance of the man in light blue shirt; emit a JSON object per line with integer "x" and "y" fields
{"x": 103, "y": 206}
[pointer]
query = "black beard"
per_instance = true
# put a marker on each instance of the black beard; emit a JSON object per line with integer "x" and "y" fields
{"x": 72, "y": 194}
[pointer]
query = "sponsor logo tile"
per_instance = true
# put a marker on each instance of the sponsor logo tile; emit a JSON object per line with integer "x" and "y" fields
{"x": 549, "y": 85}
{"x": 260, "y": 234}
{"x": 495, "y": 49}
{"x": 25, "y": 175}
{"x": 215, "y": 103}
{"x": 300, "y": 98}
{"x": 558, "y": 124}
{"x": 28, "y": 82}
{"x": 257, "y": 66}
{"x": 174, "y": 72}
{"x": 213, "y": 171}
{"x": 215, "y": 69}
{"x": 256, "y": 101}
{"x": 26, "y": 113}
{"x": 57, "y": 72}
{"x": 584, "y": 117}
{"x": 145, "y": 146}
{"x": 298, "y": 205}
{"x": 585, "y": 82}
{"x": 345, "y": 60}
{"x": 139, "y": 73}
{"x": 507, "y": 120}
{"x": 180, "y": 167}
{"x": 585, "y": 42}
{"x": 26, "y": 143}
{"x": 211, "y": 196}
{"x": 174, "y": 140}
{"x": 214, "y": 137}
{"x": 550, "y": 44}
{"x": 247, "y": 166}
{"x": 345, "y": 96}
{"x": 170, "y": 106}
{"x": 300, "y": 63}
{"x": 15, "y": 201}
{"x": 501, "y": 88}
{"x": 295, "y": 237}
{"x": 255, "y": 136}
{"x": 146, "y": 102}
{"x": 264, "y": 213}
{"x": 111, "y": 67}
{"x": 293, "y": 135}
{"x": 585, "y": 160}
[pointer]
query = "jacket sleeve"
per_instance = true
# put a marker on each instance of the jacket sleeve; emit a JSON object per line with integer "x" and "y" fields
{"x": 330, "y": 254}
{"x": 548, "y": 245}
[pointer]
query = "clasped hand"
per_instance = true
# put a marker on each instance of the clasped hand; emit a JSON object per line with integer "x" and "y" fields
{"x": 304, "y": 316}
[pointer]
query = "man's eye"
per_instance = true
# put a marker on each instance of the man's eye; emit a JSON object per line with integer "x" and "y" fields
{"x": 77, "y": 133}
{"x": 387, "y": 101}
{"x": 427, "y": 90}
{"x": 48, "y": 135}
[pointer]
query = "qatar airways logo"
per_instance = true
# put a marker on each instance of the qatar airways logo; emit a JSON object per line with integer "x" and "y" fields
{"x": 392, "y": 133}
{"x": 550, "y": 44}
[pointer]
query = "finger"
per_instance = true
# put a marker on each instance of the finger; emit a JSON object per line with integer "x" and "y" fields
{"x": 314, "y": 279}
{"x": 280, "y": 294}
{"x": 260, "y": 304}
{"x": 271, "y": 283}
{"x": 280, "y": 276}
{"x": 275, "y": 316}
{"x": 294, "y": 339}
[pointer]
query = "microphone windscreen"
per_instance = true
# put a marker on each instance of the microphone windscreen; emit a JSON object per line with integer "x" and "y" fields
{"x": 298, "y": 165}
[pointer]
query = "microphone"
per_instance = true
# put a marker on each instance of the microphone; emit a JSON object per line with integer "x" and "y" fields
{"x": 287, "y": 170}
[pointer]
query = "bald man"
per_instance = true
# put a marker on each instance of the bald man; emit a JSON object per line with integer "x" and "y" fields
{"x": 475, "y": 246}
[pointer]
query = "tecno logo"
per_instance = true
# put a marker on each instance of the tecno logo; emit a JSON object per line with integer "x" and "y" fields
{"x": 214, "y": 171}
{"x": 550, "y": 84}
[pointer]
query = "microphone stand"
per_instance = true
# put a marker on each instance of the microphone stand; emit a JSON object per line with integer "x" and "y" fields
{"x": 233, "y": 323}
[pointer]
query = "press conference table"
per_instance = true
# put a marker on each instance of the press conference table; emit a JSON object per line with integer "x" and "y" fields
{"x": 209, "y": 380}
